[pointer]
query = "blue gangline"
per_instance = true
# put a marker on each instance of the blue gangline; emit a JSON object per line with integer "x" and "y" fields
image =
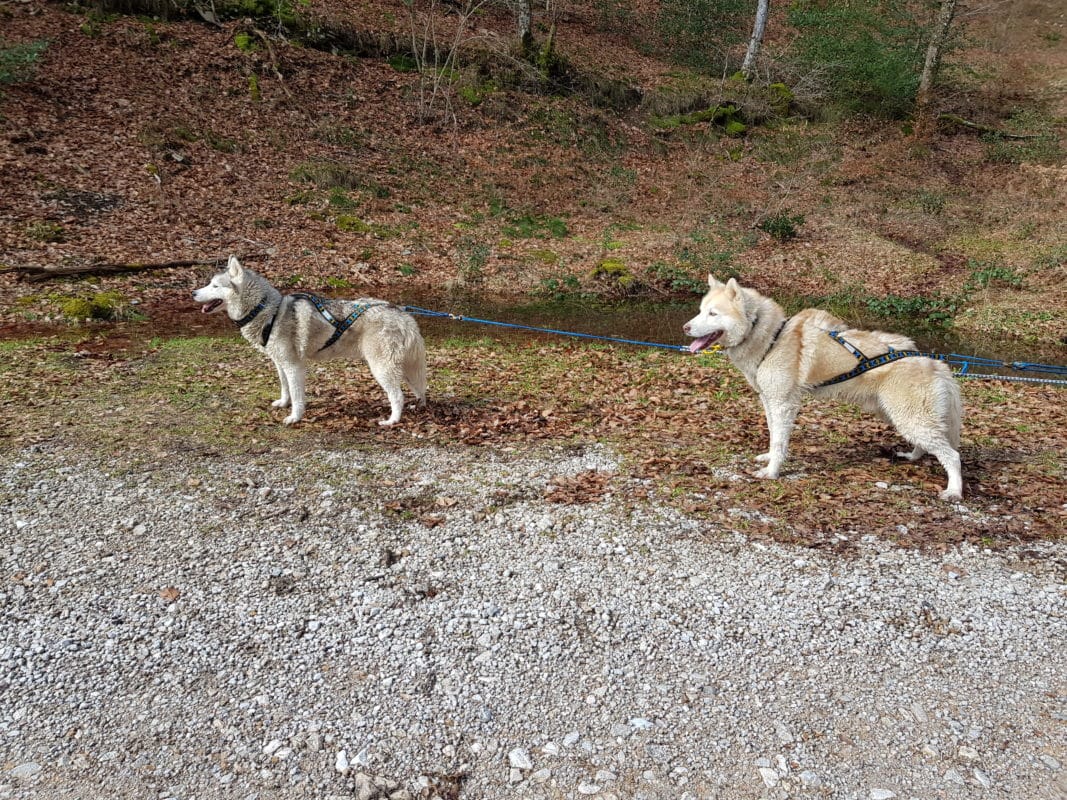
{"x": 964, "y": 362}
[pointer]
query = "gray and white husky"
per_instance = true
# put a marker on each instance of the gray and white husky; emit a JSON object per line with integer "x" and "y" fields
{"x": 295, "y": 329}
{"x": 814, "y": 352}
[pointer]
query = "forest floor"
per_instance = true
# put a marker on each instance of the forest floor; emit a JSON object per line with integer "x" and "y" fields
{"x": 141, "y": 141}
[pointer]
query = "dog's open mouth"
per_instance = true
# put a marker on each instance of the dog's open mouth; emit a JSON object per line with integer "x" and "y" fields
{"x": 704, "y": 341}
{"x": 210, "y": 306}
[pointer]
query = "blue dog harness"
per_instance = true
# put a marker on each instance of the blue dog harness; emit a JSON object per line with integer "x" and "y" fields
{"x": 868, "y": 363}
{"x": 339, "y": 327}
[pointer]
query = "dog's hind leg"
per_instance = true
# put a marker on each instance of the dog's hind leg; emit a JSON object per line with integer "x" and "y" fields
{"x": 914, "y": 455}
{"x": 930, "y": 421}
{"x": 389, "y": 376}
{"x": 926, "y": 437}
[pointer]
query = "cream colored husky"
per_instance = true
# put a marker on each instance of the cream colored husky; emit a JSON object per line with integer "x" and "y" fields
{"x": 296, "y": 329}
{"x": 784, "y": 359}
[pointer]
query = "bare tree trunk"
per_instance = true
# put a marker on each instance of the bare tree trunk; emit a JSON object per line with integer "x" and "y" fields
{"x": 748, "y": 66}
{"x": 525, "y": 17}
{"x": 938, "y": 37}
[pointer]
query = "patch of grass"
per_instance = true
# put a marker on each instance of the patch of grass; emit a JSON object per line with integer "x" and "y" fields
{"x": 782, "y": 226}
{"x": 932, "y": 311}
{"x": 99, "y": 306}
{"x": 712, "y": 249}
{"x": 327, "y": 175}
{"x": 18, "y": 62}
{"x": 50, "y": 232}
{"x": 1043, "y": 148}
{"x": 675, "y": 279}
{"x": 560, "y": 288}
{"x": 529, "y": 226}
{"x": 931, "y": 202}
{"x": 991, "y": 273}
{"x": 472, "y": 255}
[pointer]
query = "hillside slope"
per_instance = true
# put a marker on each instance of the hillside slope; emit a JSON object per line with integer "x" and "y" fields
{"x": 141, "y": 140}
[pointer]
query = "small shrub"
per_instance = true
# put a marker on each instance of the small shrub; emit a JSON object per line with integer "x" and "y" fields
{"x": 1041, "y": 147}
{"x": 19, "y": 61}
{"x": 101, "y": 306}
{"x": 403, "y": 62}
{"x": 700, "y": 33}
{"x": 353, "y": 224}
{"x": 991, "y": 273}
{"x": 51, "y": 232}
{"x": 934, "y": 311}
{"x": 616, "y": 277}
{"x": 865, "y": 55}
{"x": 340, "y": 199}
{"x": 932, "y": 203}
{"x": 528, "y": 226}
{"x": 473, "y": 256}
{"x": 560, "y": 288}
{"x": 327, "y": 175}
{"x": 675, "y": 279}
{"x": 338, "y": 283}
{"x": 245, "y": 42}
{"x": 782, "y": 227}
{"x": 1053, "y": 259}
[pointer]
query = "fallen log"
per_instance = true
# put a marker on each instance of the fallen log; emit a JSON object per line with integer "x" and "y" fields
{"x": 37, "y": 274}
{"x": 974, "y": 126}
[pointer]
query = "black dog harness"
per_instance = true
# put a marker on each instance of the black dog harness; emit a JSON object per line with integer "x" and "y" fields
{"x": 868, "y": 363}
{"x": 339, "y": 326}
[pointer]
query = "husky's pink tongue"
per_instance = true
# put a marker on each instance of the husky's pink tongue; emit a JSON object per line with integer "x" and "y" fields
{"x": 699, "y": 344}
{"x": 207, "y": 308}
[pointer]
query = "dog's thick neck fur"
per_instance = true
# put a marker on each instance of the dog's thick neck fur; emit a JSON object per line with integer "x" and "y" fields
{"x": 765, "y": 317}
{"x": 251, "y": 292}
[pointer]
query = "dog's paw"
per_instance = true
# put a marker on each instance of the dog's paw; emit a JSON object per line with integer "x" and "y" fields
{"x": 951, "y": 496}
{"x": 766, "y": 472}
{"x": 280, "y": 403}
{"x": 763, "y": 457}
{"x": 292, "y": 419}
{"x": 388, "y": 423}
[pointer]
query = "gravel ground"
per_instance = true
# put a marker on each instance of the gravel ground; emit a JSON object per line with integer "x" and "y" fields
{"x": 425, "y": 623}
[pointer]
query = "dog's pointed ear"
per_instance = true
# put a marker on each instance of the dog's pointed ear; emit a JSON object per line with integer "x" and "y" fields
{"x": 712, "y": 282}
{"x": 733, "y": 292}
{"x": 234, "y": 269}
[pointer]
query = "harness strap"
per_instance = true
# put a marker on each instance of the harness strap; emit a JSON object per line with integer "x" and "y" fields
{"x": 866, "y": 363}
{"x": 774, "y": 339}
{"x": 251, "y": 315}
{"x": 339, "y": 327}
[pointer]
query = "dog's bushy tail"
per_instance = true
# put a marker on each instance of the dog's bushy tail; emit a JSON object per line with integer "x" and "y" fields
{"x": 415, "y": 366}
{"x": 955, "y": 410}
{"x": 949, "y": 389}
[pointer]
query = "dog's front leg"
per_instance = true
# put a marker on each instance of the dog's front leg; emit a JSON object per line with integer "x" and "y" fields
{"x": 295, "y": 373}
{"x": 781, "y": 414}
{"x": 284, "y": 399}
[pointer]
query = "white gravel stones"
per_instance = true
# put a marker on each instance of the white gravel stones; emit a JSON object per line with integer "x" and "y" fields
{"x": 341, "y": 762}
{"x": 520, "y": 759}
{"x": 319, "y": 640}
{"x": 770, "y": 777}
{"x": 23, "y": 771}
{"x": 882, "y": 794}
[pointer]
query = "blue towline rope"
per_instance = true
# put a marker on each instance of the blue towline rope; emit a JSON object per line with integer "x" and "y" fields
{"x": 964, "y": 362}
{"x": 461, "y": 318}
